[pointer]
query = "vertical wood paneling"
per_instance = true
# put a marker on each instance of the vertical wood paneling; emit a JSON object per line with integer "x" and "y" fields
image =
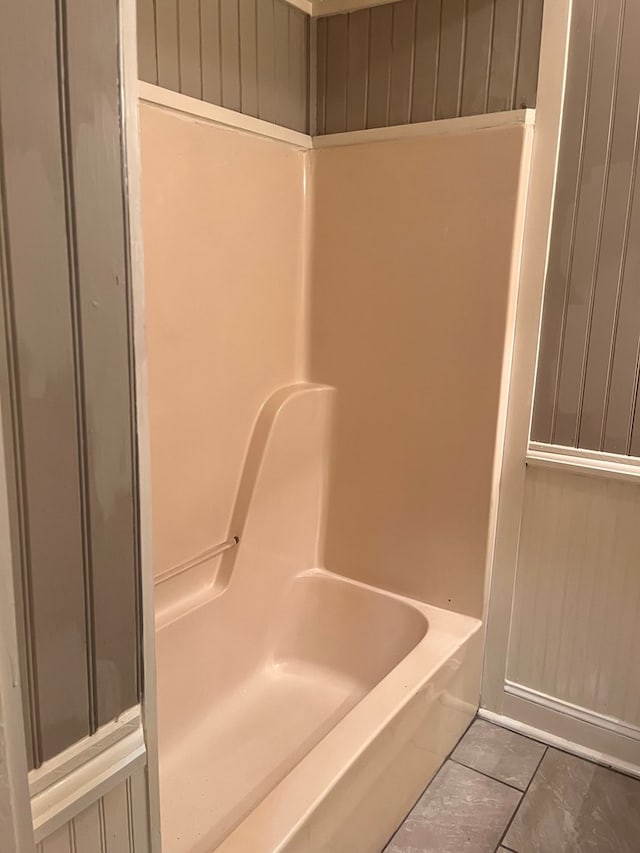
{"x": 586, "y": 390}
{"x": 168, "y": 41}
{"x": 189, "y": 48}
{"x": 380, "y": 39}
{"x": 44, "y": 394}
{"x": 402, "y": 61}
{"x": 529, "y": 57}
{"x": 477, "y": 62}
{"x": 116, "y": 823}
{"x": 615, "y": 207}
{"x": 574, "y": 625}
{"x": 211, "y": 53}
{"x": 588, "y": 230}
{"x": 102, "y": 295}
{"x": 569, "y": 178}
{"x": 408, "y": 61}
{"x": 266, "y": 60}
{"x": 451, "y": 65}
{"x": 427, "y": 59}
{"x": 284, "y": 96}
{"x": 230, "y": 54}
{"x": 67, "y": 347}
{"x": 504, "y": 53}
{"x": 146, "y": 26}
{"x": 417, "y": 60}
{"x": 358, "y": 70}
{"x": 248, "y": 57}
{"x": 299, "y": 55}
{"x": 337, "y": 73}
{"x": 320, "y": 31}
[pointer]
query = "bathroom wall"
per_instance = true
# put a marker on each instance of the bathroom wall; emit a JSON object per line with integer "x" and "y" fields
{"x": 395, "y": 63}
{"x": 575, "y": 616}
{"x": 223, "y": 228}
{"x": 66, "y": 373}
{"x": 419, "y": 60}
{"x": 589, "y": 364}
{"x": 411, "y": 294}
{"x": 572, "y": 628}
{"x": 249, "y": 56}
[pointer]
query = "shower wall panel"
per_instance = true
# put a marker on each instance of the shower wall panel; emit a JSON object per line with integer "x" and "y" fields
{"x": 223, "y": 219}
{"x": 411, "y": 271}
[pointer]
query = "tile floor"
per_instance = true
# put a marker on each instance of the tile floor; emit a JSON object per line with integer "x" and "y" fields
{"x": 500, "y": 791}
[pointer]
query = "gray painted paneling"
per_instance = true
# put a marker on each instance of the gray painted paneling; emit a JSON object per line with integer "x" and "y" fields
{"x": 587, "y": 383}
{"x": 419, "y": 60}
{"x": 40, "y": 334}
{"x": 251, "y": 56}
{"x": 66, "y": 366}
{"x": 409, "y": 61}
{"x": 107, "y": 368}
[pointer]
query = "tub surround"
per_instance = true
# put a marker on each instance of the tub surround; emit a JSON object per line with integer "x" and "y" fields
{"x": 314, "y": 677}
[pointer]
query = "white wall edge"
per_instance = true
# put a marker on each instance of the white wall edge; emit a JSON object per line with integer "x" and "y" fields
{"x": 148, "y": 93}
{"x": 133, "y": 170}
{"x": 93, "y": 775}
{"x": 567, "y": 733}
{"x": 303, "y": 5}
{"x": 447, "y": 126}
{"x": 589, "y": 463}
{"x": 548, "y": 120}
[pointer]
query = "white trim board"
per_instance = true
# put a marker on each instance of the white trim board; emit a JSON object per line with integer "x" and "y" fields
{"x": 590, "y": 463}
{"x": 319, "y": 8}
{"x": 442, "y": 127}
{"x": 148, "y": 93}
{"x": 82, "y": 774}
{"x": 558, "y": 729}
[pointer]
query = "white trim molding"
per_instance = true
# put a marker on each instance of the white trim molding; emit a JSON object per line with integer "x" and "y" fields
{"x": 591, "y": 463}
{"x": 555, "y": 724}
{"x": 148, "y": 93}
{"x": 132, "y": 158}
{"x": 321, "y": 8}
{"x": 441, "y": 127}
{"x": 584, "y": 715}
{"x": 69, "y": 783}
{"x": 546, "y": 145}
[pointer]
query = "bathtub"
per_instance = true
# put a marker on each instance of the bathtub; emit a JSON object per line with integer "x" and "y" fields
{"x": 299, "y": 710}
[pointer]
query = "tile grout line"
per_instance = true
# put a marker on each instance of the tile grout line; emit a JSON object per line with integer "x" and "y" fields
{"x": 522, "y": 799}
{"x": 521, "y": 791}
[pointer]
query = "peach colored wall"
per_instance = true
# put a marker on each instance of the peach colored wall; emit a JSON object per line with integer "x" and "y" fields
{"x": 410, "y": 270}
{"x": 223, "y": 220}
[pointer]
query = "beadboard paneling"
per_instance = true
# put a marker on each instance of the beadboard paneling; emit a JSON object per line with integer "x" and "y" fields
{"x": 589, "y": 361}
{"x": 66, "y": 367}
{"x": 116, "y": 823}
{"x": 575, "y": 632}
{"x": 419, "y": 60}
{"x": 251, "y": 56}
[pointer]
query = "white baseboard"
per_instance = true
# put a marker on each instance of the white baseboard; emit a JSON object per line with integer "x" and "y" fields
{"x": 82, "y": 774}
{"x": 578, "y": 731}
